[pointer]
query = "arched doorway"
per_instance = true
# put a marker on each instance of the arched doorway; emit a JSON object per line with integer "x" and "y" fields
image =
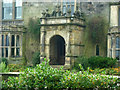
{"x": 57, "y": 50}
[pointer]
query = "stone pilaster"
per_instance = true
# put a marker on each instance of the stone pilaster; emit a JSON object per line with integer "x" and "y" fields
{"x": 42, "y": 41}
{"x": 114, "y": 47}
{"x": 9, "y": 49}
{"x": 15, "y": 44}
{"x": 20, "y": 42}
{"x": 68, "y": 48}
{"x": 108, "y": 46}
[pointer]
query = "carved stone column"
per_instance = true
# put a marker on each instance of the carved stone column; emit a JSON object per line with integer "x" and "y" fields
{"x": 114, "y": 47}
{"x": 9, "y": 49}
{"x": 108, "y": 45}
{"x": 15, "y": 44}
{"x": 20, "y": 42}
{"x": 68, "y": 49}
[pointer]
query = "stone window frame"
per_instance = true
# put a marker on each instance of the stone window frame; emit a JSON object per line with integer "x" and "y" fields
{"x": 6, "y": 51}
{"x": 66, "y": 4}
{"x": 113, "y": 49}
{"x": 13, "y": 12}
{"x": 6, "y": 7}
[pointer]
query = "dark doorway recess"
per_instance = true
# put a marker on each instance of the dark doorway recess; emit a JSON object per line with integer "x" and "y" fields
{"x": 57, "y": 50}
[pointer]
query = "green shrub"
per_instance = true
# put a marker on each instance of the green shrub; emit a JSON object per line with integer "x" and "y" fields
{"x": 81, "y": 60}
{"x": 101, "y": 62}
{"x": 106, "y": 71}
{"x": 36, "y": 58}
{"x": 43, "y": 76}
{"x": 3, "y": 67}
{"x": 4, "y": 60}
{"x": 16, "y": 67}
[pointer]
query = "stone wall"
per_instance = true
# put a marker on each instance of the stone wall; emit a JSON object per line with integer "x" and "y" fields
{"x": 33, "y": 10}
{"x": 91, "y": 10}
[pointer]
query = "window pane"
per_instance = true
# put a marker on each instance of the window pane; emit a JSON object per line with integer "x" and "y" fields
{"x": 118, "y": 54}
{"x": 72, "y": 10}
{"x": 2, "y": 40}
{"x": 111, "y": 42}
{"x": 17, "y": 41}
{"x": 7, "y": 13}
{"x": 6, "y": 52}
{"x": 12, "y": 52}
{"x": 64, "y": 9}
{"x": 13, "y": 41}
{"x": 18, "y": 11}
{"x": 7, "y": 40}
{"x": 2, "y": 52}
{"x": 17, "y": 52}
{"x": 18, "y": 3}
{"x": 7, "y": 3}
{"x": 7, "y": 9}
{"x": 117, "y": 42}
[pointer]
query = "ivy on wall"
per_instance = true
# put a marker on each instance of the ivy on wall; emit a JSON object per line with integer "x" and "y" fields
{"x": 97, "y": 27}
{"x": 34, "y": 27}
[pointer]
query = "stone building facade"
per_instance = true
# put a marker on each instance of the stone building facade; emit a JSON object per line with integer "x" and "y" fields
{"x": 114, "y": 32}
{"x": 11, "y": 31}
{"x": 62, "y": 34}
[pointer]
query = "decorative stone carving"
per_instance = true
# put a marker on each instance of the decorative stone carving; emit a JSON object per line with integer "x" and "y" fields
{"x": 47, "y": 13}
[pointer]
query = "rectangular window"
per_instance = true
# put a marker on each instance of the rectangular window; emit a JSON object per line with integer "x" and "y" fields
{"x": 72, "y": 9}
{"x": 17, "y": 52}
{"x": 18, "y": 9}
{"x": 117, "y": 42}
{"x": 64, "y": 9}
{"x": 12, "y": 52}
{"x": 2, "y": 52}
{"x": 2, "y": 40}
{"x": 68, "y": 6}
{"x": 7, "y": 9}
{"x": 17, "y": 41}
{"x": 7, "y": 40}
{"x": 13, "y": 41}
{"x": 117, "y": 54}
{"x": 6, "y": 52}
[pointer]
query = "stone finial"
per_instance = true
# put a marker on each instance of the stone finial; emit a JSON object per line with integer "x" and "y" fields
{"x": 69, "y": 12}
{"x": 47, "y": 13}
{"x": 43, "y": 13}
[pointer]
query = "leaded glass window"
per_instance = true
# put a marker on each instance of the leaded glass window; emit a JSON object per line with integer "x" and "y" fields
{"x": 7, "y": 9}
{"x": 18, "y": 9}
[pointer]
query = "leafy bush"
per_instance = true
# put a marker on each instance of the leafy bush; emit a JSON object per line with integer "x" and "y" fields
{"x": 44, "y": 76}
{"x": 4, "y": 60}
{"x": 3, "y": 67}
{"x": 101, "y": 62}
{"x": 106, "y": 71}
{"x": 16, "y": 67}
{"x": 81, "y": 60}
{"x": 94, "y": 62}
{"x": 36, "y": 58}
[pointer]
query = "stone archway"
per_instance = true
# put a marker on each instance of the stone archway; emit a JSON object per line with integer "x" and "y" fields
{"x": 57, "y": 50}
